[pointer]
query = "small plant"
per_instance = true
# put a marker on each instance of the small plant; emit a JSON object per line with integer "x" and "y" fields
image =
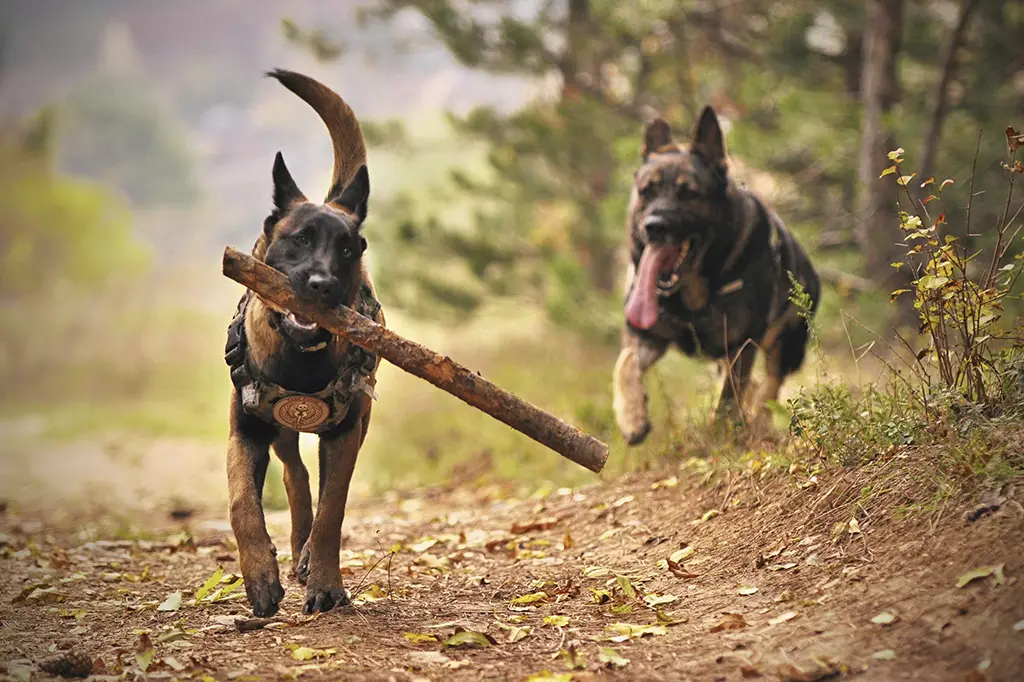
{"x": 959, "y": 313}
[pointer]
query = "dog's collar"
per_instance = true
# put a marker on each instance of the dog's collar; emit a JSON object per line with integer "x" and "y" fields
{"x": 308, "y": 412}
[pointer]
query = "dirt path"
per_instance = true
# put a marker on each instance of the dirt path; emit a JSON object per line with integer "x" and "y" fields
{"x": 664, "y": 564}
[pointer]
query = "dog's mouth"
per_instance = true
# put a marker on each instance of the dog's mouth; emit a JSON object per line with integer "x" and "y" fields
{"x": 302, "y": 331}
{"x": 659, "y": 271}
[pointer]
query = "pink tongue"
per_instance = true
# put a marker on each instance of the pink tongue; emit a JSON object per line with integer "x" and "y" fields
{"x": 642, "y": 306}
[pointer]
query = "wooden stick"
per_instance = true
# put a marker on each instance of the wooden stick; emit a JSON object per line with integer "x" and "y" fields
{"x": 441, "y": 371}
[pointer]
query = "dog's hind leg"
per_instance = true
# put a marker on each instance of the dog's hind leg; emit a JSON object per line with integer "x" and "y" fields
{"x": 338, "y": 452}
{"x": 735, "y": 383}
{"x": 630, "y": 400}
{"x": 783, "y": 357}
{"x": 248, "y": 457}
{"x": 300, "y": 503}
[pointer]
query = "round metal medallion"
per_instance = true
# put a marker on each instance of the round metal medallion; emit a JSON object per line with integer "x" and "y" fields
{"x": 301, "y": 413}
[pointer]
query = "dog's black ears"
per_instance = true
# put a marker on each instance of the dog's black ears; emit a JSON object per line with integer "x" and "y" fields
{"x": 657, "y": 134}
{"x": 355, "y": 197}
{"x": 708, "y": 140}
{"x": 286, "y": 192}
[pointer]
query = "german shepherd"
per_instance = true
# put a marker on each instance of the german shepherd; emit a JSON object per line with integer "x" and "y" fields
{"x": 708, "y": 272}
{"x": 319, "y": 247}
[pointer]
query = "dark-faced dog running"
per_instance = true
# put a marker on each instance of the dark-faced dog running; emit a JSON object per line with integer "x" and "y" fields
{"x": 290, "y": 375}
{"x": 708, "y": 273}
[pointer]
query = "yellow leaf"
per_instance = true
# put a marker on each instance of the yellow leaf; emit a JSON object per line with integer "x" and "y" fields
{"x": 530, "y": 598}
{"x": 682, "y": 554}
{"x": 419, "y": 638}
{"x": 557, "y": 621}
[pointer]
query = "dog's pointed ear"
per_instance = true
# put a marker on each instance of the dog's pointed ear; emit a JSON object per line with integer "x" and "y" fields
{"x": 708, "y": 140}
{"x": 657, "y": 134}
{"x": 355, "y": 197}
{"x": 286, "y": 192}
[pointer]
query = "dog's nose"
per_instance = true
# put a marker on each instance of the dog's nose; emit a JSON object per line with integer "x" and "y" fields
{"x": 323, "y": 288}
{"x": 656, "y": 226}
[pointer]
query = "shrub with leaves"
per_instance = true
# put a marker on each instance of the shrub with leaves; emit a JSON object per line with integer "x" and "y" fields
{"x": 959, "y": 301}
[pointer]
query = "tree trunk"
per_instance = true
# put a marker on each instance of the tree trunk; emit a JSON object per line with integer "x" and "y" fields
{"x": 877, "y": 228}
{"x": 940, "y": 107}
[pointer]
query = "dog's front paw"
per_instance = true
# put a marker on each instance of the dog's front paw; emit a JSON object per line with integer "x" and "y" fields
{"x": 637, "y": 435}
{"x": 300, "y": 570}
{"x": 322, "y": 599}
{"x": 265, "y": 593}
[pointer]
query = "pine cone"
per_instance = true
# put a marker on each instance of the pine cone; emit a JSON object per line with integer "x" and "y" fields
{"x": 68, "y": 664}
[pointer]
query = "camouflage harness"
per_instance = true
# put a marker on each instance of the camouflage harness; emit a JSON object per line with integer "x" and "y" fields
{"x": 307, "y": 412}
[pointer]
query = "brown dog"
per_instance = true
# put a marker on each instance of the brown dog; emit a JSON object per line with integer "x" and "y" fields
{"x": 290, "y": 375}
{"x": 709, "y": 272}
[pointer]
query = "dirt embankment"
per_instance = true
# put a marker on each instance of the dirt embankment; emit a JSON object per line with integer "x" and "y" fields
{"x": 651, "y": 577}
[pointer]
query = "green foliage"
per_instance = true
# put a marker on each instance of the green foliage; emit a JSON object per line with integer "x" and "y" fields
{"x": 57, "y": 232}
{"x": 959, "y": 300}
{"x": 115, "y": 130}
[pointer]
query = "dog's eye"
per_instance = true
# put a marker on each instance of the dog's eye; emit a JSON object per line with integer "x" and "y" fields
{"x": 302, "y": 240}
{"x": 648, "y": 191}
{"x": 346, "y": 252}
{"x": 684, "y": 191}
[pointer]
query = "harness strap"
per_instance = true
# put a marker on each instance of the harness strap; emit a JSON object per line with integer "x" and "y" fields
{"x": 259, "y": 395}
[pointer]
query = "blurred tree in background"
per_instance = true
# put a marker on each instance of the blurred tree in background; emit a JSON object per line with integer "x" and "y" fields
{"x": 58, "y": 233}
{"x": 814, "y": 93}
{"x": 107, "y": 122}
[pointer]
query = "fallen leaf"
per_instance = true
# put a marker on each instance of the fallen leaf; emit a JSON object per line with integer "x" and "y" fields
{"x": 1019, "y": 626}
{"x": 423, "y": 545}
{"x": 173, "y": 663}
{"x": 574, "y": 659}
{"x": 670, "y": 482}
{"x": 659, "y": 599}
{"x": 595, "y": 571}
{"x": 853, "y": 527}
{"x": 682, "y": 554}
{"x": 536, "y": 525}
{"x": 678, "y": 571}
{"x": 44, "y": 595}
{"x": 468, "y": 638}
{"x": 782, "y": 567}
{"x": 625, "y": 631}
{"x": 305, "y": 653}
{"x": 626, "y": 586}
{"x": 665, "y": 619}
{"x": 171, "y": 603}
{"x": 610, "y": 656}
{"x": 519, "y": 632}
{"x": 622, "y": 609}
{"x": 884, "y": 655}
{"x": 995, "y": 571}
{"x": 557, "y": 621}
{"x": 782, "y": 618}
{"x": 144, "y": 652}
{"x": 428, "y": 658}
{"x": 567, "y": 541}
{"x": 531, "y": 598}
{"x": 210, "y": 583}
{"x": 710, "y": 514}
{"x": 731, "y": 621}
{"x": 791, "y": 673}
{"x": 371, "y": 594}
{"x": 77, "y": 614}
{"x": 548, "y": 676}
{"x": 751, "y": 671}
{"x": 419, "y": 638}
{"x": 747, "y": 591}
{"x": 623, "y": 500}
{"x": 600, "y": 596}
{"x": 884, "y": 618}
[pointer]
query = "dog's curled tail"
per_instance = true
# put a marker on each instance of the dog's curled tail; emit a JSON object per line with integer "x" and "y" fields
{"x": 346, "y": 136}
